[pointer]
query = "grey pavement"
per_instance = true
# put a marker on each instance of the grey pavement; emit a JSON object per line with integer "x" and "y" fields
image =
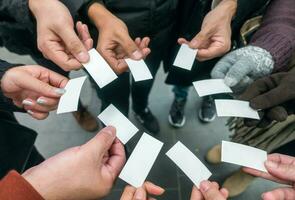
{"x": 59, "y": 132}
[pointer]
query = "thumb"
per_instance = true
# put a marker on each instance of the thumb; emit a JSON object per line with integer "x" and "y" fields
{"x": 210, "y": 192}
{"x": 237, "y": 72}
{"x": 201, "y": 40}
{"x": 74, "y": 44}
{"x": 280, "y": 193}
{"x": 140, "y": 194}
{"x": 102, "y": 142}
{"x": 280, "y": 170}
{"x": 130, "y": 48}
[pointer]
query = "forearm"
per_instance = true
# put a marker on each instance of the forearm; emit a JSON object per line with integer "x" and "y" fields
{"x": 277, "y": 33}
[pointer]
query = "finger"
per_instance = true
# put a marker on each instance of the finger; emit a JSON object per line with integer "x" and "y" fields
{"x": 210, "y": 192}
{"x": 222, "y": 67}
{"x": 282, "y": 171}
{"x": 153, "y": 189}
{"x": 279, "y": 194}
{"x": 50, "y": 102}
{"x": 281, "y": 158}
{"x": 215, "y": 184}
{"x": 211, "y": 52}
{"x": 200, "y": 40}
{"x": 196, "y": 194}
{"x": 269, "y": 99}
{"x": 128, "y": 193}
{"x": 224, "y": 192}
{"x": 32, "y": 105}
{"x": 182, "y": 41}
{"x": 84, "y": 35}
{"x": 101, "y": 143}
{"x": 237, "y": 72}
{"x": 140, "y": 194}
{"x": 277, "y": 113}
{"x": 117, "y": 158}
{"x": 73, "y": 44}
{"x": 130, "y": 47}
{"x": 37, "y": 115}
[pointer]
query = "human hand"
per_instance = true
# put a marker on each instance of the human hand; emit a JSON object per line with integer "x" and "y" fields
{"x": 209, "y": 191}
{"x": 56, "y": 36}
{"x": 281, "y": 169}
{"x": 214, "y": 39}
{"x": 131, "y": 193}
{"x": 241, "y": 67}
{"x": 114, "y": 42}
{"x": 82, "y": 172}
{"x": 273, "y": 94}
{"x": 34, "y": 88}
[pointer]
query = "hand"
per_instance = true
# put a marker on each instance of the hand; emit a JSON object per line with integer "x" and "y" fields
{"x": 214, "y": 39}
{"x": 241, "y": 67}
{"x": 35, "y": 88}
{"x": 131, "y": 193}
{"x": 209, "y": 191}
{"x": 82, "y": 172}
{"x": 56, "y": 36}
{"x": 281, "y": 169}
{"x": 274, "y": 94}
{"x": 114, "y": 42}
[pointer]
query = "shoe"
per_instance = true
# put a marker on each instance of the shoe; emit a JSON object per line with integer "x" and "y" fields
{"x": 214, "y": 155}
{"x": 237, "y": 183}
{"x": 86, "y": 120}
{"x": 207, "y": 113}
{"x": 176, "y": 115}
{"x": 148, "y": 121}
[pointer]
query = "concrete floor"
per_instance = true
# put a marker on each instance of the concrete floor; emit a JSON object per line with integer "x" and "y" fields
{"x": 59, "y": 132}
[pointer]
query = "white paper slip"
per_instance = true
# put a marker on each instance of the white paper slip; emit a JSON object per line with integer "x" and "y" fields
{"x": 125, "y": 130}
{"x": 243, "y": 155}
{"x": 139, "y": 70}
{"x": 99, "y": 69}
{"x": 211, "y": 86}
{"x": 141, "y": 160}
{"x": 185, "y": 57}
{"x": 69, "y": 101}
{"x": 189, "y": 163}
{"x": 235, "y": 108}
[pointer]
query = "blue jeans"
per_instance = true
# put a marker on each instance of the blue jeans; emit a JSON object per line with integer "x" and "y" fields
{"x": 180, "y": 92}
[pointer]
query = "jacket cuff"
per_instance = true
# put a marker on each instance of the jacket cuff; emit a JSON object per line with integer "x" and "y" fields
{"x": 14, "y": 186}
{"x": 278, "y": 46}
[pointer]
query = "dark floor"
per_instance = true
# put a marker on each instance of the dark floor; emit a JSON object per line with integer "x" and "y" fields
{"x": 60, "y": 132}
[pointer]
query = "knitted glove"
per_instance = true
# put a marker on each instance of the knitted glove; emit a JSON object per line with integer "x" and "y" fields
{"x": 274, "y": 94}
{"x": 241, "y": 67}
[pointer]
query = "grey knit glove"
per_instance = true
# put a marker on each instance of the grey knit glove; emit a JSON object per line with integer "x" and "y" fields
{"x": 241, "y": 67}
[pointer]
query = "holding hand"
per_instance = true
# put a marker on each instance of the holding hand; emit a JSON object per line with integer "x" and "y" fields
{"x": 35, "y": 88}
{"x": 57, "y": 39}
{"x": 281, "y": 169}
{"x": 274, "y": 94}
{"x": 114, "y": 42}
{"x": 209, "y": 191}
{"x": 131, "y": 193}
{"x": 80, "y": 173}
{"x": 241, "y": 67}
{"x": 214, "y": 39}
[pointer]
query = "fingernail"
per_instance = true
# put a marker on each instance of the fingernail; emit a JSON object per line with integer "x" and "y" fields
{"x": 271, "y": 164}
{"x": 30, "y": 112}
{"x": 41, "y": 101}
{"x": 60, "y": 91}
{"x": 139, "y": 194}
{"x": 110, "y": 130}
{"x": 83, "y": 57}
{"x": 27, "y": 102}
{"x": 137, "y": 55}
{"x": 204, "y": 186}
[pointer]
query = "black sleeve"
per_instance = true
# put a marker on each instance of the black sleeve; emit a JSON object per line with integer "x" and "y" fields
{"x": 5, "y": 103}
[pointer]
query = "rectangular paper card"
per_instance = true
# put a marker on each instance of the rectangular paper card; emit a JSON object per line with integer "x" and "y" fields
{"x": 185, "y": 57}
{"x": 189, "y": 163}
{"x": 243, "y": 155}
{"x": 99, "y": 69}
{"x": 211, "y": 86}
{"x": 235, "y": 108}
{"x": 141, "y": 160}
{"x": 69, "y": 101}
{"x": 139, "y": 70}
{"x": 111, "y": 116}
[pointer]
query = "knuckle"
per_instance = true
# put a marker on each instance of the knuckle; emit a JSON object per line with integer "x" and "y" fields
{"x": 75, "y": 46}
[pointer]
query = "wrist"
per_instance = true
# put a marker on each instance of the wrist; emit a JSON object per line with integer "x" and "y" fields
{"x": 230, "y": 8}
{"x": 99, "y": 15}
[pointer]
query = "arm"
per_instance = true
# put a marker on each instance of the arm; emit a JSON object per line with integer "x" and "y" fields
{"x": 277, "y": 33}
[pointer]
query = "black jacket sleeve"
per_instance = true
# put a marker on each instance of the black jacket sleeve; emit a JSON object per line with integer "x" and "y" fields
{"x": 5, "y": 103}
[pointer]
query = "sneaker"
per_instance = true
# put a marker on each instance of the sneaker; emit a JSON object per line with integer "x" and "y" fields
{"x": 176, "y": 115}
{"x": 207, "y": 113}
{"x": 86, "y": 120}
{"x": 148, "y": 121}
